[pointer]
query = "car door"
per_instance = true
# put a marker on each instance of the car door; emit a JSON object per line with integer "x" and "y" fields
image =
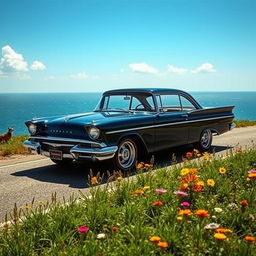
{"x": 171, "y": 127}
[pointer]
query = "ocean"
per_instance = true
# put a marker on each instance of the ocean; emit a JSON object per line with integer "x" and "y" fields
{"x": 15, "y": 109}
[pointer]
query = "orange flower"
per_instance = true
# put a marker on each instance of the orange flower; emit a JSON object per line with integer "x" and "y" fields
{"x": 244, "y": 203}
{"x": 197, "y": 188}
{"x": 189, "y": 154}
{"x": 148, "y": 165}
{"x": 158, "y": 203}
{"x": 202, "y": 213}
{"x": 115, "y": 229}
{"x": 139, "y": 191}
{"x": 184, "y": 186}
{"x": 140, "y": 165}
{"x": 252, "y": 175}
{"x": 155, "y": 239}
{"x": 185, "y": 212}
{"x": 223, "y": 230}
{"x": 163, "y": 245}
{"x": 220, "y": 236}
{"x": 250, "y": 239}
{"x": 190, "y": 178}
{"x": 94, "y": 180}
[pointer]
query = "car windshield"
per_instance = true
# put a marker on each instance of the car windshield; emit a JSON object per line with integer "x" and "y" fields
{"x": 127, "y": 103}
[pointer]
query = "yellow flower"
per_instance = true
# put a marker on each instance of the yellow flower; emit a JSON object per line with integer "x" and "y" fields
{"x": 184, "y": 171}
{"x": 222, "y": 170}
{"x": 41, "y": 202}
{"x": 119, "y": 179}
{"x": 200, "y": 183}
{"x": 210, "y": 183}
{"x": 220, "y": 236}
{"x": 179, "y": 218}
{"x": 27, "y": 207}
{"x": 206, "y": 156}
{"x": 94, "y": 180}
{"x": 146, "y": 188}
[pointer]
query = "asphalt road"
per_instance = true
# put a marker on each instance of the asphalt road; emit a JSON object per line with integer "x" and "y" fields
{"x": 39, "y": 179}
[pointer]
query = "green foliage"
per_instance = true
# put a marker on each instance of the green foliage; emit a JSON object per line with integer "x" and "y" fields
{"x": 52, "y": 229}
{"x": 13, "y": 146}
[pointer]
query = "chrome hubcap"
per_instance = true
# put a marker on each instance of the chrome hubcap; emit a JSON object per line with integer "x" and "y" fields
{"x": 206, "y": 139}
{"x": 126, "y": 154}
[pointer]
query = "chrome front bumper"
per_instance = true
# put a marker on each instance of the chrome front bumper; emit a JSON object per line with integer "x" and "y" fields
{"x": 76, "y": 152}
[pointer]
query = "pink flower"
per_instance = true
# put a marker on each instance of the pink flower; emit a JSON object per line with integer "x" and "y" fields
{"x": 252, "y": 171}
{"x": 82, "y": 229}
{"x": 185, "y": 204}
{"x": 180, "y": 193}
{"x": 160, "y": 191}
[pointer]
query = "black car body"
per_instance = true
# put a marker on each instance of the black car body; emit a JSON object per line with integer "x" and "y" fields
{"x": 128, "y": 121}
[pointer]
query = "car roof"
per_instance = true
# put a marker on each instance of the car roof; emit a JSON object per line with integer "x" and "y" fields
{"x": 144, "y": 90}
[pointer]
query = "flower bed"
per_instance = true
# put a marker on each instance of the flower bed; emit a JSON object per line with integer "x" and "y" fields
{"x": 203, "y": 207}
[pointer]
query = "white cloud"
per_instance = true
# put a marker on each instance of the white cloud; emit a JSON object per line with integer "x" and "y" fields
{"x": 80, "y": 75}
{"x": 173, "y": 69}
{"x": 143, "y": 68}
{"x": 37, "y": 65}
{"x": 205, "y": 68}
{"x": 11, "y": 61}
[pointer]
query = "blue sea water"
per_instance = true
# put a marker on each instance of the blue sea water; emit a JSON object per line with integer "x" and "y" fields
{"x": 15, "y": 109}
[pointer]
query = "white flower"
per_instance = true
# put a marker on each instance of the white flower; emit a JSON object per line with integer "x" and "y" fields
{"x": 101, "y": 236}
{"x": 212, "y": 226}
{"x": 232, "y": 206}
{"x": 218, "y": 209}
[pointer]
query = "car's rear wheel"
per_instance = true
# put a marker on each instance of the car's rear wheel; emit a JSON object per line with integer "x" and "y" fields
{"x": 205, "y": 141}
{"x": 62, "y": 162}
{"x": 126, "y": 155}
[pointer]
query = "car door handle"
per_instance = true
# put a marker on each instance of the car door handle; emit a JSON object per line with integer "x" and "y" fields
{"x": 184, "y": 115}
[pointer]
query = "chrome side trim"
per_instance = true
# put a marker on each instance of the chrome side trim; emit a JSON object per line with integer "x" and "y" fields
{"x": 168, "y": 124}
{"x": 61, "y": 139}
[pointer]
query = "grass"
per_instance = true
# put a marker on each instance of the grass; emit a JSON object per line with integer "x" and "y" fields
{"x": 244, "y": 123}
{"x": 13, "y": 146}
{"x": 122, "y": 217}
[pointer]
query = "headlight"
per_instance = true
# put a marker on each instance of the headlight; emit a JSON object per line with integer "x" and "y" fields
{"x": 32, "y": 129}
{"x": 94, "y": 133}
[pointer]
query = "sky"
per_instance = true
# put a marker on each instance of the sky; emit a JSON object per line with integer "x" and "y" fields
{"x": 93, "y": 46}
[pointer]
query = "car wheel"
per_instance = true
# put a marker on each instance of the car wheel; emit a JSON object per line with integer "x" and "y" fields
{"x": 62, "y": 162}
{"x": 205, "y": 141}
{"x": 126, "y": 155}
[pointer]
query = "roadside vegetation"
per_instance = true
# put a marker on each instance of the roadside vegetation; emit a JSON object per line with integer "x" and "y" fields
{"x": 13, "y": 146}
{"x": 200, "y": 207}
{"x": 244, "y": 123}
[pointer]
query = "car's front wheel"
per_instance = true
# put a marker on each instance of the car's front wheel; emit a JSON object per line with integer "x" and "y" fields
{"x": 126, "y": 155}
{"x": 205, "y": 141}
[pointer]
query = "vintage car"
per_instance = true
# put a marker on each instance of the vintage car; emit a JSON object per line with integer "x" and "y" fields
{"x": 126, "y": 123}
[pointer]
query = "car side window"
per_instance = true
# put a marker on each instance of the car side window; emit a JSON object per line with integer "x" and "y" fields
{"x": 169, "y": 103}
{"x": 186, "y": 104}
